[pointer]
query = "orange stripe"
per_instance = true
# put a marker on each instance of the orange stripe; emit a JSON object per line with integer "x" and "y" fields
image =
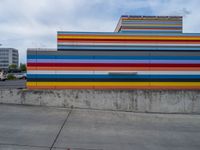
{"x": 72, "y": 87}
{"x": 41, "y": 87}
{"x": 147, "y": 87}
{"x": 60, "y": 87}
{"x": 122, "y": 87}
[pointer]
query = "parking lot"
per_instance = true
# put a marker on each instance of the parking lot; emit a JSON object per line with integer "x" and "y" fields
{"x": 46, "y": 128}
{"x": 13, "y": 84}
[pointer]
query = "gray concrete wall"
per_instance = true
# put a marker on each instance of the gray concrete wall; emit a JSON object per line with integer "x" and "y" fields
{"x": 163, "y": 101}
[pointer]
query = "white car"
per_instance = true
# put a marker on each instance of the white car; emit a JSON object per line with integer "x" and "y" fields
{"x": 20, "y": 75}
{"x": 2, "y": 76}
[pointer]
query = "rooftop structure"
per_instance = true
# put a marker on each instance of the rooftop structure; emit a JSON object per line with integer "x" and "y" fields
{"x": 150, "y": 24}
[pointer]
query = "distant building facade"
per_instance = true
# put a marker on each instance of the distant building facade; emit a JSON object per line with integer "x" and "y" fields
{"x": 8, "y": 56}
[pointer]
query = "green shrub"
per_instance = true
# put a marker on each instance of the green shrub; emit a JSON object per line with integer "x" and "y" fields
{"x": 11, "y": 77}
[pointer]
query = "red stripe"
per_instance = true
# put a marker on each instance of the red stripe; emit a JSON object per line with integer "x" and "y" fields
{"x": 108, "y": 65}
{"x": 122, "y": 40}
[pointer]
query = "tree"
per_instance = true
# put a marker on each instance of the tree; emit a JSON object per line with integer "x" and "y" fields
{"x": 23, "y": 67}
{"x": 12, "y": 67}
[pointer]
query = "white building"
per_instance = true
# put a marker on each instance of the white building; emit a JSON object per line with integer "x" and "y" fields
{"x": 8, "y": 56}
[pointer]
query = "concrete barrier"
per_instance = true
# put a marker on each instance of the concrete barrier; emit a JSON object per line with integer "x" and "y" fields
{"x": 163, "y": 101}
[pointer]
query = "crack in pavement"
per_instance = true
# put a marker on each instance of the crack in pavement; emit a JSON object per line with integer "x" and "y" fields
{"x": 63, "y": 124}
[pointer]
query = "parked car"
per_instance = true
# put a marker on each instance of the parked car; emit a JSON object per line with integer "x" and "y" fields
{"x": 20, "y": 75}
{"x": 2, "y": 76}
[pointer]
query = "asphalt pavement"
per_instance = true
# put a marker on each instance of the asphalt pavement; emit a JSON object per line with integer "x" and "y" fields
{"x": 45, "y": 128}
{"x": 13, "y": 84}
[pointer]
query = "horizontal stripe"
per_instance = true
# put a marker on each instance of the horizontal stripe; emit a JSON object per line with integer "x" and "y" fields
{"x": 87, "y": 83}
{"x": 158, "y": 26}
{"x": 114, "y": 53}
{"x": 117, "y": 61}
{"x": 95, "y": 80}
{"x": 123, "y": 48}
{"x": 143, "y": 31}
{"x": 139, "y": 27}
{"x": 118, "y": 87}
{"x": 118, "y": 33}
{"x": 60, "y": 58}
{"x": 145, "y": 27}
{"x": 139, "y": 42}
{"x": 160, "y": 84}
{"x": 151, "y": 22}
{"x": 109, "y": 65}
{"x": 118, "y": 71}
{"x": 115, "y": 68}
{"x": 59, "y": 87}
{"x": 124, "y": 43}
{"x": 135, "y": 37}
{"x": 133, "y": 42}
{"x": 113, "y": 80}
{"x": 151, "y": 28}
{"x": 153, "y": 25}
{"x": 97, "y": 76}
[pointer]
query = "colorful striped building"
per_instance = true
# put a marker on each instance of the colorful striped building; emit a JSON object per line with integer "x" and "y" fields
{"x": 144, "y": 52}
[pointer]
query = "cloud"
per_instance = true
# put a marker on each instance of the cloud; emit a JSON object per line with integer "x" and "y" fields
{"x": 188, "y": 9}
{"x": 25, "y": 23}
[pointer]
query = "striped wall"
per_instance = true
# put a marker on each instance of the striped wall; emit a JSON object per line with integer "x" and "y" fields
{"x": 117, "y": 60}
{"x": 150, "y": 24}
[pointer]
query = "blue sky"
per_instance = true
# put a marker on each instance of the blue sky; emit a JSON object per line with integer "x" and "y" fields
{"x": 34, "y": 23}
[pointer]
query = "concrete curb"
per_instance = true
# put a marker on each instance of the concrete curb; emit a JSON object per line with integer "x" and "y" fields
{"x": 156, "y": 101}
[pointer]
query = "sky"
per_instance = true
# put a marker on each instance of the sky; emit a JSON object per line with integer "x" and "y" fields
{"x": 34, "y": 23}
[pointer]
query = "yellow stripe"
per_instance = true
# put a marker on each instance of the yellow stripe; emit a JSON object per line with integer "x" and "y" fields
{"x": 174, "y": 83}
{"x": 88, "y": 83}
{"x": 31, "y": 83}
{"x": 190, "y": 84}
{"x": 127, "y": 37}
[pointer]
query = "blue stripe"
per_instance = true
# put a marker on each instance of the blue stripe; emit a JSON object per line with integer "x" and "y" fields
{"x": 53, "y": 76}
{"x": 58, "y": 57}
{"x": 113, "y": 61}
{"x": 116, "y": 57}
